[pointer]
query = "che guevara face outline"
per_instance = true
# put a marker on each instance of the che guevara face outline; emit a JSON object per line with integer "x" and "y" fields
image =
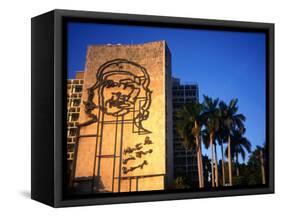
{"x": 119, "y": 90}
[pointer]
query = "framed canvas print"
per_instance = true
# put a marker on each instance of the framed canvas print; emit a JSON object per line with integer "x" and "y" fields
{"x": 133, "y": 108}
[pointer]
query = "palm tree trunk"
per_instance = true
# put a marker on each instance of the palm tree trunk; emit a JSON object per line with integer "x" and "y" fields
{"x": 262, "y": 167}
{"x": 212, "y": 150}
{"x": 237, "y": 165}
{"x": 216, "y": 167}
{"x": 199, "y": 169}
{"x": 201, "y": 164}
{"x": 222, "y": 166}
{"x": 229, "y": 162}
{"x": 199, "y": 158}
{"x": 186, "y": 162}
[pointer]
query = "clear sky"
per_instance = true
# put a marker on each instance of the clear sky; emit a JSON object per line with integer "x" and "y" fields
{"x": 225, "y": 64}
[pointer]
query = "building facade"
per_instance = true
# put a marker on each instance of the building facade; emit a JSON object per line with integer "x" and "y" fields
{"x": 185, "y": 161}
{"x": 74, "y": 95}
{"x": 124, "y": 141}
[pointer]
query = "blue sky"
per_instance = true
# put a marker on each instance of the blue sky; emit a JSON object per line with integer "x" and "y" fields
{"x": 225, "y": 64}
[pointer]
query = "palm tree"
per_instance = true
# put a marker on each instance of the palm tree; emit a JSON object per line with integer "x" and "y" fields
{"x": 259, "y": 154}
{"x": 221, "y": 138}
{"x": 230, "y": 121}
{"x": 189, "y": 129}
{"x": 206, "y": 168}
{"x": 211, "y": 116}
{"x": 206, "y": 142}
{"x": 239, "y": 146}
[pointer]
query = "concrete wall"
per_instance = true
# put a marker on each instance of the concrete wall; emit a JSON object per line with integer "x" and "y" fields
{"x": 111, "y": 129}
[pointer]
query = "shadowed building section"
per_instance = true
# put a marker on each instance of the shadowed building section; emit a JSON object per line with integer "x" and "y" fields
{"x": 185, "y": 161}
{"x": 74, "y": 94}
{"x": 124, "y": 136}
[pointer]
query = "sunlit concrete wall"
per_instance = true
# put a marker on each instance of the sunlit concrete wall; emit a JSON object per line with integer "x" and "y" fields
{"x": 104, "y": 145}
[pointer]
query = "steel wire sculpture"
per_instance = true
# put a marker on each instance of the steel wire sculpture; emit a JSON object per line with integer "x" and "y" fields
{"x": 121, "y": 90}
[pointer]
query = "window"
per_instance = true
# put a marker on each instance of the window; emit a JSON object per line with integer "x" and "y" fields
{"x": 78, "y": 88}
{"x": 72, "y": 131}
{"x": 75, "y": 117}
{"x": 76, "y": 102}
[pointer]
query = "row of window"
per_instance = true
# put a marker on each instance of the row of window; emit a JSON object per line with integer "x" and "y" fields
{"x": 71, "y": 95}
{"x": 184, "y": 93}
{"x": 184, "y": 100}
{"x": 72, "y": 131}
{"x": 190, "y": 165}
{"x": 74, "y": 102}
{"x": 73, "y": 117}
{"x": 75, "y": 81}
{"x": 181, "y": 172}
{"x": 180, "y": 152}
{"x": 74, "y": 109}
{"x": 75, "y": 88}
{"x": 187, "y": 86}
{"x": 72, "y": 124}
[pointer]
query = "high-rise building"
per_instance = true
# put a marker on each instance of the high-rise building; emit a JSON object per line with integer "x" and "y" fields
{"x": 185, "y": 161}
{"x": 74, "y": 94}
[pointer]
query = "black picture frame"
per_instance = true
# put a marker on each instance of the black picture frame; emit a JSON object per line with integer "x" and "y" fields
{"x": 48, "y": 104}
